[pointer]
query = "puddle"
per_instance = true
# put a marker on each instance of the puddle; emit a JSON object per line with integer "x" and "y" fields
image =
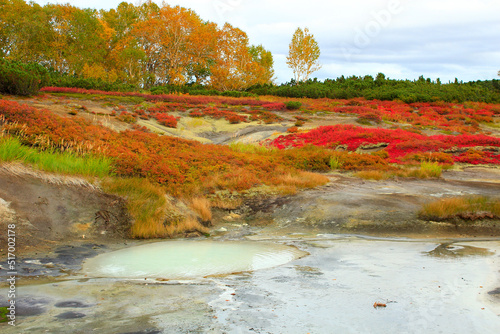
{"x": 189, "y": 259}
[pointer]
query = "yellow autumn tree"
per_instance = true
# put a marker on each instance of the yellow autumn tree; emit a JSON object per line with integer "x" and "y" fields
{"x": 237, "y": 66}
{"x": 126, "y": 56}
{"x": 97, "y": 71}
{"x": 24, "y": 31}
{"x": 303, "y": 54}
{"x": 265, "y": 59}
{"x": 202, "y": 52}
{"x": 172, "y": 40}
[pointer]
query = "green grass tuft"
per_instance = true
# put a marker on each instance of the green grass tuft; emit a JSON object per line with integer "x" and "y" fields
{"x": 251, "y": 148}
{"x": 11, "y": 150}
{"x": 335, "y": 163}
{"x": 431, "y": 169}
{"x": 3, "y": 312}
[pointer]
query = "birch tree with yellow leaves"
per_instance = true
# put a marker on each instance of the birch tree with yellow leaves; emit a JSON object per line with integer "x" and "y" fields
{"x": 303, "y": 55}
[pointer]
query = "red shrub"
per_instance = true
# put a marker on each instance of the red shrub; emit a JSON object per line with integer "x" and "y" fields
{"x": 181, "y": 165}
{"x": 265, "y": 116}
{"x": 399, "y": 142}
{"x": 186, "y": 99}
{"x": 475, "y": 157}
{"x": 275, "y": 106}
{"x": 234, "y": 119}
{"x": 140, "y": 128}
{"x": 230, "y": 116}
{"x": 166, "y": 120}
{"x": 195, "y": 114}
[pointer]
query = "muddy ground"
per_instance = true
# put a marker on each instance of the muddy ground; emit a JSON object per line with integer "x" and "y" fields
{"x": 48, "y": 209}
{"x": 346, "y": 284}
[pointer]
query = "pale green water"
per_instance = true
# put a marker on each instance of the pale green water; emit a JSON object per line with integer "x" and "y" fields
{"x": 189, "y": 259}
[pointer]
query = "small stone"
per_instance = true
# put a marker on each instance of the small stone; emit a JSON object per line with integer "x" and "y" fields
{"x": 70, "y": 315}
{"x": 235, "y": 216}
{"x": 71, "y": 304}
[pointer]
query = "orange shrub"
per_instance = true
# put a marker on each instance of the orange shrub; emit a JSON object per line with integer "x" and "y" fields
{"x": 182, "y": 166}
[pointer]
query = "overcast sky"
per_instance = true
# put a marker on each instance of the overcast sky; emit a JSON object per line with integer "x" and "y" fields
{"x": 401, "y": 38}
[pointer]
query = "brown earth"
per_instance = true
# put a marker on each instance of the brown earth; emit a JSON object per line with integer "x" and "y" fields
{"x": 48, "y": 210}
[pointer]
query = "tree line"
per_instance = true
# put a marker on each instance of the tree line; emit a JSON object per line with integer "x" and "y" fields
{"x": 142, "y": 45}
{"x": 382, "y": 88}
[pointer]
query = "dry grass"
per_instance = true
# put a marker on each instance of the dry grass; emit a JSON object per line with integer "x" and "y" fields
{"x": 186, "y": 225}
{"x": 251, "y": 148}
{"x": 146, "y": 203}
{"x": 470, "y": 207}
{"x": 190, "y": 224}
{"x": 202, "y": 207}
{"x": 302, "y": 180}
{"x": 237, "y": 180}
{"x": 288, "y": 184}
{"x": 426, "y": 170}
{"x": 196, "y": 122}
{"x": 153, "y": 213}
{"x": 444, "y": 208}
{"x": 285, "y": 184}
{"x": 226, "y": 203}
{"x": 373, "y": 175}
{"x": 429, "y": 170}
{"x": 286, "y": 190}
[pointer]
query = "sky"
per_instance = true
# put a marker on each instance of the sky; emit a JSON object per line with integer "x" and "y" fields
{"x": 403, "y": 39}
